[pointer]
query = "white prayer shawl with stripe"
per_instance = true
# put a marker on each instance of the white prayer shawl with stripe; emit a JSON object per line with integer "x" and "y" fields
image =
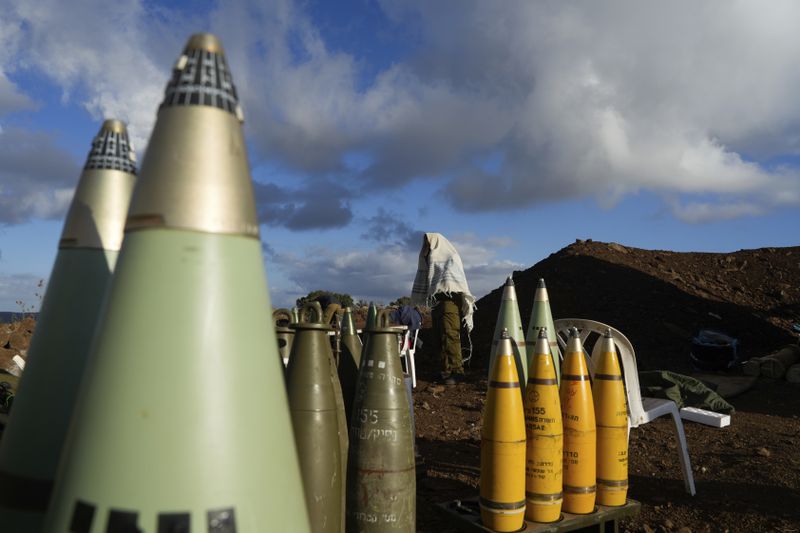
{"x": 440, "y": 270}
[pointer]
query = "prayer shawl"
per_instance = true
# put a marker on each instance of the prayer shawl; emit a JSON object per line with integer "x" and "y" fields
{"x": 440, "y": 271}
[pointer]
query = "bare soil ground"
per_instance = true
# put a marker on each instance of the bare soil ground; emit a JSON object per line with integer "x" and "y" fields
{"x": 747, "y": 474}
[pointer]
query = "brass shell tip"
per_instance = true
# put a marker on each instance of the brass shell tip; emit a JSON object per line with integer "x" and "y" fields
{"x": 608, "y": 333}
{"x": 510, "y": 281}
{"x": 112, "y": 149}
{"x": 543, "y": 332}
{"x": 115, "y": 125}
{"x": 204, "y": 41}
{"x": 540, "y": 284}
{"x": 573, "y": 332}
{"x": 504, "y": 334}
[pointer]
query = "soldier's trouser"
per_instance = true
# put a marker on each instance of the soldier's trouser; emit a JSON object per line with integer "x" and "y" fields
{"x": 446, "y": 320}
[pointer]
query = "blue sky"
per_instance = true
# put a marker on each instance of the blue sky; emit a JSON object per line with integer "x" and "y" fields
{"x": 513, "y": 128}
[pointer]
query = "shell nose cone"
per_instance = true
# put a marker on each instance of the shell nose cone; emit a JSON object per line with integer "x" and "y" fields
{"x": 574, "y": 343}
{"x": 114, "y": 125}
{"x": 541, "y": 292}
{"x": 204, "y": 41}
{"x": 112, "y": 149}
{"x": 201, "y": 78}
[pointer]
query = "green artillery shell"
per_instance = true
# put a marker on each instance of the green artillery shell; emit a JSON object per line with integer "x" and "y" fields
{"x": 316, "y": 421}
{"x": 381, "y": 481}
{"x": 182, "y": 422}
{"x": 284, "y": 334}
{"x": 508, "y": 318}
{"x": 372, "y": 315}
{"x": 542, "y": 317}
{"x": 33, "y": 439}
{"x": 349, "y": 361}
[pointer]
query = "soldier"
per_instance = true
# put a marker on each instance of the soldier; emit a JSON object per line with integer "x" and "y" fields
{"x": 440, "y": 283}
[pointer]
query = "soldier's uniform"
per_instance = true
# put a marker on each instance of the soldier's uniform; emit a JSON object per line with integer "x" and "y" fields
{"x": 446, "y": 318}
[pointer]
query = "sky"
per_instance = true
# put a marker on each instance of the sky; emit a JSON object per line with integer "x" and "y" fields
{"x": 513, "y": 128}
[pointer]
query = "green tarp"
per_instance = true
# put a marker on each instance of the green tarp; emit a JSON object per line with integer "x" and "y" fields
{"x": 683, "y": 390}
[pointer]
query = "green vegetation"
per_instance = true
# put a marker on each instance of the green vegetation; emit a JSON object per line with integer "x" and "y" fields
{"x": 400, "y": 302}
{"x": 344, "y": 299}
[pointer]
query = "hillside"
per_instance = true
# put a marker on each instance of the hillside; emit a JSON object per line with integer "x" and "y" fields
{"x": 660, "y": 299}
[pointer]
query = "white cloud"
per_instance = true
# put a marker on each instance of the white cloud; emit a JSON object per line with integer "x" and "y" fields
{"x": 113, "y": 58}
{"x": 696, "y": 212}
{"x": 580, "y": 100}
{"x": 11, "y": 97}
{"x": 571, "y": 99}
{"x": 484, "y": 270}
{"x": 375, "y": 275}
{"x": 384, "y": 273}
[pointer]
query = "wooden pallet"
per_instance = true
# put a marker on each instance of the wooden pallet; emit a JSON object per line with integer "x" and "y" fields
{"x": 465, "y": 515}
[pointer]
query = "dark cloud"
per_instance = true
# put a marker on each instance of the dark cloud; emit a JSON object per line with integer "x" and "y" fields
{"x": 267, "y": 249}
{"x": 37, "y": 178}
{"x": 477, "y": 190}
{"x": 596, "y": 100}
{"x": 437, "y": 135}
{"x": 11, "y": 99}
{"x": 320, "y": 205}
{"x": 392, "y": 228}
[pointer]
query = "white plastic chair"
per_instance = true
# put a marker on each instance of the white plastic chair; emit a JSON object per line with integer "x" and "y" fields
{"x": 408, "y": 347}
{"x": 640, "y": 410}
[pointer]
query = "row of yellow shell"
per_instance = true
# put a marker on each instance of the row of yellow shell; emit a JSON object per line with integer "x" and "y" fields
{"x": 551, "y": 449}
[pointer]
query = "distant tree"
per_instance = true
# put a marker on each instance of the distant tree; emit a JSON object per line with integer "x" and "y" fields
{"x": 344, "y": 299}
{"x": 28, "y": 310}
{"x": 400, "y": 302}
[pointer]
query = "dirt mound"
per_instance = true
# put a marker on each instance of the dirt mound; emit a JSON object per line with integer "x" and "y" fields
{"x": 660, "y": 299}
{"x": 15, "y": 338}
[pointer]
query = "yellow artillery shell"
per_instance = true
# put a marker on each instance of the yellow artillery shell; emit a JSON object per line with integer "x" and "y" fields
{"x": 543, "y": 470}
{"x": 580, "y": 433}
{"x": 612, "y": 425}
{"x": 502, "y": 490}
